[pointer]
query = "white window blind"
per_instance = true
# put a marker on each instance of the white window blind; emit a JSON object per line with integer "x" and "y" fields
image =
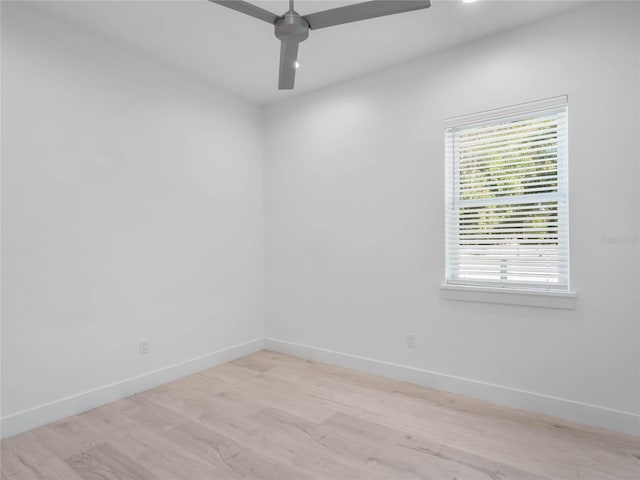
{"x": 506, "y": 197}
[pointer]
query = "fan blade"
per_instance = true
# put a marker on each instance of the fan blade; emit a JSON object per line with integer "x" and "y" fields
{"x": 248, "y": 9}
{"x": 362, "y": 11}
{"x": 288, "y": 58}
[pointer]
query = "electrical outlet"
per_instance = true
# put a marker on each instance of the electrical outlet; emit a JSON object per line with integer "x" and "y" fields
{"x": 411, "y": 340}
{"x": 144, "y": 346}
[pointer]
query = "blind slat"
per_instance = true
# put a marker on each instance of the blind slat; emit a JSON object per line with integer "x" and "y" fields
{"x": 506, "y": 161}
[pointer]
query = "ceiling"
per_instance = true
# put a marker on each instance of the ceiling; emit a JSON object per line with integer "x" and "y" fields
{"x": 240, "y": 53}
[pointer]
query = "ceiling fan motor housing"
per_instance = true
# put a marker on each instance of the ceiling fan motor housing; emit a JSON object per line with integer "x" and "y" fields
{"x": 292, "y": 27}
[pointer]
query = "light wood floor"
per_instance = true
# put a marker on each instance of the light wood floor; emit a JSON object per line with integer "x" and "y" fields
{"x": 271, "y": 416}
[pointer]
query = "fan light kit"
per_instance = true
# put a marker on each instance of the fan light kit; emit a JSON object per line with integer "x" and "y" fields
{"x": 291, "y": 28}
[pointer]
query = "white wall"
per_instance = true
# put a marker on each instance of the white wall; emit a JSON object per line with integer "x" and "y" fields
{"x": 131, "y": 208}
{"x": 355, "y": 218}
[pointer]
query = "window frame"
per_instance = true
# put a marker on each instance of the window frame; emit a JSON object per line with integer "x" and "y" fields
{"x": 546, "y": 295}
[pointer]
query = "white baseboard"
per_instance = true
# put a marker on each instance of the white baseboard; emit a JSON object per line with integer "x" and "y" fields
{"x": 570, "y": 410}
{"x": 34, "y": 417}
{"x": 561, "y": 408}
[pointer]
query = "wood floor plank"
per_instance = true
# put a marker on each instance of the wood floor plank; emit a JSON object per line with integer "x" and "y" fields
{"x": 66, "y": 438}
{"x": 151, "y": 415}
{"x": 274, "y": 392}
{"x": 311, "y": 459}
{"x": 358, "y": 455}
{"x": 163, "y": 458}
{"x": 25, "y": 458}
{"x": 253, "y": 362}
{"x": 271, "y": 416}
{"x": 229, "y": 455}
{"x": 226, "y": 411}
{"x": 105, "y": 462}
{"x": 394, "y": 459}
{"x": 380, "y": 434}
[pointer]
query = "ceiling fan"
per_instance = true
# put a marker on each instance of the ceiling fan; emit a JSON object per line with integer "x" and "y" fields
{"x": 291, "y": 28}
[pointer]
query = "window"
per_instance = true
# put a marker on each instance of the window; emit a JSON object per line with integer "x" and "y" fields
{"x": 506, "y": 198}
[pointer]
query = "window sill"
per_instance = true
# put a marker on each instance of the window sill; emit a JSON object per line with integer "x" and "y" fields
{"x": 507, "y": 296}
